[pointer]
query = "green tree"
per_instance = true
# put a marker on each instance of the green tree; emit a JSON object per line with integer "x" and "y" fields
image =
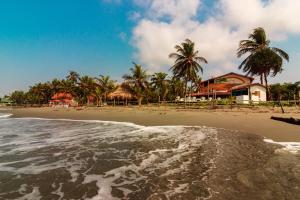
{"x": 262, "y": 60}
{"x": 137, "y": 81}
{"x": 87, "y": 86}
{"x": 187, "y": 62}
{"x": 160, "y": 84}
{"x": 106, "y": 84}
{"x": 176, "y": 88}
{"x": 39, "y": 93}
{"x": 73, "y": 76}
{"x": 285, "y": 91}
{"x": 18, "y": 97}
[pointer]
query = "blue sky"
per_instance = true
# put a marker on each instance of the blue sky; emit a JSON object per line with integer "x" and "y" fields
{"x": 42, "y": 40}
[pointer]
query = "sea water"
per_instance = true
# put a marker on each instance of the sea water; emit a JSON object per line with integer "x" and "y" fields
{"x": 77, "y": 159}
{"x": 68, "y": 159}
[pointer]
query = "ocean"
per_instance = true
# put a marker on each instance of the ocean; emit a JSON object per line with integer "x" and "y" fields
{"x": 72, "y": 159}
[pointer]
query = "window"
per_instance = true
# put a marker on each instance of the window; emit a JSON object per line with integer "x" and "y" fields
{"x": 239, "y": 92}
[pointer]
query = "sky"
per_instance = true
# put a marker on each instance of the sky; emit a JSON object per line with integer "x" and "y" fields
{"x": 42, "y": 40}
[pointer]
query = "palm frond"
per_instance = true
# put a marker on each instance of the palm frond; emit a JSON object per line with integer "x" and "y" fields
{"x": 282, "y": 53}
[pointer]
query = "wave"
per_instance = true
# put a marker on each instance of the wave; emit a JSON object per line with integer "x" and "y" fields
{"x": 5, "y": 115}
{"x": 104, "y": 155}
{"x": 293, "y": 147}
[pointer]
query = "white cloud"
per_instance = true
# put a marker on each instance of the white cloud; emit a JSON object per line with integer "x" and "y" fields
{"x": 134, "y": 16}
{"x": 169, "y": 22}
{"x": 175, "y": 9}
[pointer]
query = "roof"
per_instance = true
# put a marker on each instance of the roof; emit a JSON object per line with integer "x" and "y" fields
{"x": 62, "y": 95}
{"x": 238, "y": 87}
{"x": 210, "y": 93}
{"x": 120, "y": 93}
{"x": 231, "y": 73}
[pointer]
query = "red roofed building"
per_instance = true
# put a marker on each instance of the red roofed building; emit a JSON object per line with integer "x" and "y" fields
{"x": 231, "y": 84}
{"x": 63, "y": 99}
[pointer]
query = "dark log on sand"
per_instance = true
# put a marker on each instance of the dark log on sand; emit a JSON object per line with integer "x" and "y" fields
{"x": 290, "y": 120}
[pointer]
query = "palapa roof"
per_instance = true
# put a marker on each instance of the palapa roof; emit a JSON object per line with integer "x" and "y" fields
{"x": 120, "y": 93}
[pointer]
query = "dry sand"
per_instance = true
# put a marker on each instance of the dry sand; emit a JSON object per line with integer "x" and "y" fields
{"x": 243, "y": 121}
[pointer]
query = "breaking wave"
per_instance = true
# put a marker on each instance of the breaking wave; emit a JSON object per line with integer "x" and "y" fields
{"x": 72, "y": 159}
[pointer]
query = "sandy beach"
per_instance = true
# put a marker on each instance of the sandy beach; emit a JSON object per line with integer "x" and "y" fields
{"x": 231, "y": 162}
{"x": 241, "y": 120}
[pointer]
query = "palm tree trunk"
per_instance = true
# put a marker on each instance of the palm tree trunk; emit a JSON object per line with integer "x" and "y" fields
{"x": 267, "y": 87}
{"x": 140, "y": 101}
{"x": 158, "y": 100}
{"x": 261, "y": 79}
{"x": 185, "y": 93}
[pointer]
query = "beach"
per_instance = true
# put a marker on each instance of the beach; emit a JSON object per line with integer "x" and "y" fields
{"x": 148, "y": 153}
{"x": 247, "y": 121}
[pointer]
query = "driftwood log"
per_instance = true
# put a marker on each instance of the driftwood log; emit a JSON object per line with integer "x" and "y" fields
{"x": 290, "y": 120}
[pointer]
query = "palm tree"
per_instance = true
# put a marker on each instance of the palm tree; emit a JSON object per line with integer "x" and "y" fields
{"x": 87, "y": 86}
{"x": 262, "y": 60}
{"x": 137, "y": 81}
{"x": 176, "y": 87}
{"x": 106, "y": 84}
{"x": 73, "y": 77}
{"x": 298, "y": 87}
{"x": 55, "y": 86}
{"x": 187, "y": 62}
{"x": 40, "y": 93}
{"x": 98, "y": 94}
{"x": 66, "y": 86}
{"x": 160, "y": 83}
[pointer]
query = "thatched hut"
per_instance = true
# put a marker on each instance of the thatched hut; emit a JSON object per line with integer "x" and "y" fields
{"x": 121, "y": 93}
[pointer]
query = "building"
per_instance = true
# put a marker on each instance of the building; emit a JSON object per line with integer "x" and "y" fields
{"x": 234, "y": 85}
{"x": 63, "y": 99}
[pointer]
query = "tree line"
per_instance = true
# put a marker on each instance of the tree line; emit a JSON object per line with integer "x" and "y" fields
{"x": 261, "y": 60}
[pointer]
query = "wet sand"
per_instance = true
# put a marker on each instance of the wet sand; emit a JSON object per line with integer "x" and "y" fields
{"x": 233, "y": 164}
{"x": 243, "y": 121}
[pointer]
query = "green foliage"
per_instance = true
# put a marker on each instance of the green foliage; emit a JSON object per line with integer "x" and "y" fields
{"x": 286, "y": 91}
{"x": 262, "y": 60}
{"x": 137, "y": 81}
{"x": 160, "y": 85}
{"x": 105, "y": 86}
{"x": 187, "y": 62}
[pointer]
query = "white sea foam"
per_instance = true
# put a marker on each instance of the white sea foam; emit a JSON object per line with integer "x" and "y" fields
{"x": 5, "y": 115}
{"x": 83, "y": 148}
{"x": 293, "y": 147}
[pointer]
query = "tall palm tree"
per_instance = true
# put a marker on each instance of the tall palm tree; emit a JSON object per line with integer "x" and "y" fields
{"x": 187, "y": 62}
{"x": 73, "y": 76}
{"x": 160, "y": 83}
{"x": 138, "y": 81}
{"x": 262, "y": 60}
{"x": 106, "y": 84}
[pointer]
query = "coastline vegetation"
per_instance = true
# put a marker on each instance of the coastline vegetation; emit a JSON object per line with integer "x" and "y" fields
{"x": 261, "y": 61}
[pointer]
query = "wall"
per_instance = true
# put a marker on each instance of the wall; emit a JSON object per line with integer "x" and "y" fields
{"x": 242, "y": 99}
{"x": 262, "y": 93}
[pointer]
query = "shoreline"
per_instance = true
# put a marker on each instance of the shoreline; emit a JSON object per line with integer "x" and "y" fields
{"x": 242, "y": 121}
